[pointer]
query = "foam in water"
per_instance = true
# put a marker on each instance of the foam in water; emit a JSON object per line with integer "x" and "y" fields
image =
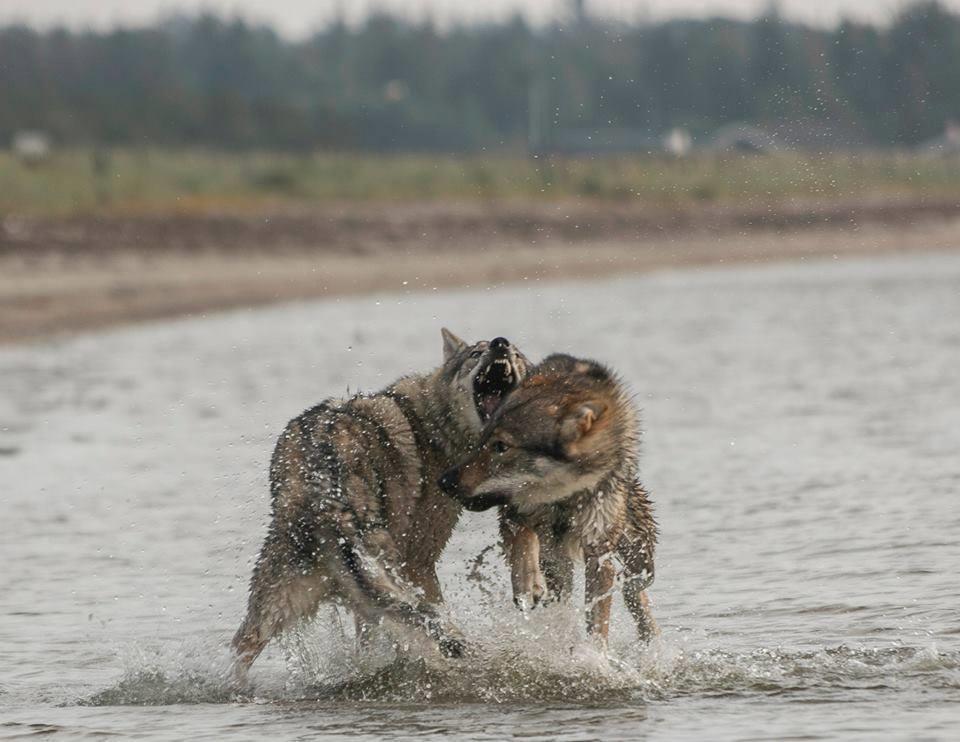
{"x": 540, "y": 655}
{"x": 543, "y": 656}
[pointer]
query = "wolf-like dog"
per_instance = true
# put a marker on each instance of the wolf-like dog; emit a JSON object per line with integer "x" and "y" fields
{"x": 357, "y": 516}
{"x": 560, "y": 460}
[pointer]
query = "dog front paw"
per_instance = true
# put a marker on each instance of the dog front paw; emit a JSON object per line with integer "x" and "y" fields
{"x": 530, "y": 589}
{"x": 529, "y": 601}
{"x": 538, "y": 591}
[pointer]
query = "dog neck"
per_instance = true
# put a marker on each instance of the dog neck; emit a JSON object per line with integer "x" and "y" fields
{"x": 444, "y": 425}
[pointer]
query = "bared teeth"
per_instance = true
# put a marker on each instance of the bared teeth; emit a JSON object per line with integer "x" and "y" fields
{"x": 492, "y": 382}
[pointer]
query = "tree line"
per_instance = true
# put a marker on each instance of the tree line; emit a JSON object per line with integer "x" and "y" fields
{"x": 390, "y": 84}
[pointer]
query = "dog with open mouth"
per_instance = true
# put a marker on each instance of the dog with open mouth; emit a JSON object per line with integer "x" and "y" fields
{"x": 357, "y": 515}
{"x": 559, "y": 458}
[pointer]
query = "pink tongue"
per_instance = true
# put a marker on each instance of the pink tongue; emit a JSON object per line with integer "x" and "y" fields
{"x": 490, "y": 404}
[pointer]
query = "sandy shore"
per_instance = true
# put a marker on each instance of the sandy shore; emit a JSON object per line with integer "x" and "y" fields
{"x": 74, "y": 274}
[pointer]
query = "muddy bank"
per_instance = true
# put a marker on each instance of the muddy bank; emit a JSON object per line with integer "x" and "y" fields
{"x": 361, "y": 228}
{"x": 61, "y": 275}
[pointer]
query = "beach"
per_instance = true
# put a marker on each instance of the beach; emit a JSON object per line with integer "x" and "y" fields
{"x": 65, "y": 274}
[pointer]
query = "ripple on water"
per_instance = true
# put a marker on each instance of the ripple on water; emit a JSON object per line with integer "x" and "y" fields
{"x": 800, "y": 444}
{"x": 663, "y": 672}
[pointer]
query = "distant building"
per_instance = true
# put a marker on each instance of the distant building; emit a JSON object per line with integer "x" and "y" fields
{"x": 799, "y": 135}
{"x": 30, "y": 147}
{"x": 947, "y": 144}
{"x": 744, "y": 138}
{"x": 677, "y": 142}
{"x": 818, "y": 135}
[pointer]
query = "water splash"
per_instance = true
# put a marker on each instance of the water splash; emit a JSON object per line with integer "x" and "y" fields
{"x": 806, "y": 673}
{"x": 161, "y": 675}
{"x": 546, "y": 662}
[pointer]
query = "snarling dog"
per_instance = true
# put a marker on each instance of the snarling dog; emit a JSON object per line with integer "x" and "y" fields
{"x": 357, "y": 515}
{"x": 560, "y": 460}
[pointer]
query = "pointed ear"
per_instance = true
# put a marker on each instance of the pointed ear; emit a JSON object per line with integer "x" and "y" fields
{"x": 451, "y": 344}
{"x": 581, "y": 421}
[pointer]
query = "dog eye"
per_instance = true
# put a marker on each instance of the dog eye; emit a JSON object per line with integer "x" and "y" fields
{"x": 476, "y": 354}
{"x": 500, "y": 446}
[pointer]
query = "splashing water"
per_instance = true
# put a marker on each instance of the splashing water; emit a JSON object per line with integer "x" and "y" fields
{"x": 800, "y": 445}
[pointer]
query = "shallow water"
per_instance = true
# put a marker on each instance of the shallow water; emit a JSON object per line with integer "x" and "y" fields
{"x": 802, "y": 429}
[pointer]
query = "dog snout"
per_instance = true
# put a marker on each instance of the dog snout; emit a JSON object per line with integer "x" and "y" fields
{"x": 449, "y": 481}
{"x": 500, "y": 344}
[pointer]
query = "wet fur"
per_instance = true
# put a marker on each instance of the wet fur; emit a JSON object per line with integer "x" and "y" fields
{"x": 357, "y": 515}
{"x": 560, "y": 460}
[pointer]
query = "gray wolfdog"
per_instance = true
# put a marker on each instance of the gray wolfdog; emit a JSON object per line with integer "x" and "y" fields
{"x": 358, "y": 517}
{"x": 560, "y": 459}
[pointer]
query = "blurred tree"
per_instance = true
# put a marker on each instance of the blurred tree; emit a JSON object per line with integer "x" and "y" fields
{"x": 392, "y": 84}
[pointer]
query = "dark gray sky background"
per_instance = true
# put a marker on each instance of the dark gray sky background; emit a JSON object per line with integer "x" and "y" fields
{"x": 297, "y": 17}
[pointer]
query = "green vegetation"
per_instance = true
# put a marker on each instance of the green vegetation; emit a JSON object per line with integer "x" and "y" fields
{"x": 392, "y": 85}
{"x": 147, "y": 181}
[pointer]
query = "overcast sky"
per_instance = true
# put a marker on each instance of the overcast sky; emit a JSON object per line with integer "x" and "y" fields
{"x": 297, "y": 17}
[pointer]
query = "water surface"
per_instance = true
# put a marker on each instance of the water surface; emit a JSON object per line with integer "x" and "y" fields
{"x": 802, "y": 429}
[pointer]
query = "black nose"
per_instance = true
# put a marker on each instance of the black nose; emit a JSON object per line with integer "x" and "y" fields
{"x": 499, "y": 343}
{"x": 448, "y": 482}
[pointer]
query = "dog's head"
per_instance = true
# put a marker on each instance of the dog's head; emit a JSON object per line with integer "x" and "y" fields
{"x": 560, "y": 433}
{"x": 479, "y": 377}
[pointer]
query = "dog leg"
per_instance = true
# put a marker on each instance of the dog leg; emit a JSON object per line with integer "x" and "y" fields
{"x": 376, "y": 590}
{"x": 635, "y": 551}
{"x": 639, "y": 606}
{"x": 247, "y": 643}
{"x": 599, "y": 582}
{"x": 557, "y": 570}
{"x": 278, "y": 600}
{"x": 522, "y": 548}
{"x": 426, "y": 579}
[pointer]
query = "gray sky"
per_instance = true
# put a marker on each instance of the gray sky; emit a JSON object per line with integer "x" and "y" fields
{"x": 297, "y": 17}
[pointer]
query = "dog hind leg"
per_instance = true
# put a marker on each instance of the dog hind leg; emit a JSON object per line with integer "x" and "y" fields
{"x": 279, "y": 598}
{"x": 425, "y": 578}
{"x": 376, "y": 589}
{"x": 639, "y": 606}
